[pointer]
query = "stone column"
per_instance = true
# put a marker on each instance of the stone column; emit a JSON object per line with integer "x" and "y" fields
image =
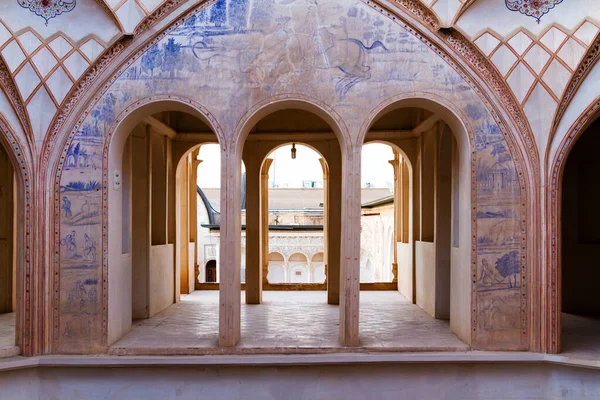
{"x": 326, "y": 201}
{"x": 230, "y": 246}
{"x": 443, "y": 222}
{"x": 254, "y": 279}
{"x": 404, "y": 196}
{"x": 193, "y": 229}
{"x": 184, "y": 226}
{"x": 159, "y": 188}
{"x": 6, "y": 233}
{"x": 141, "y": 189}
{"x": 350, "y": 248}
{"x": 264, "y": 219}
{"x": 396, "y": 164}
{"x": 334, "y": 198}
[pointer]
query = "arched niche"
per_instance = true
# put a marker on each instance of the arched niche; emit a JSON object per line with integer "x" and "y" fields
{"x": 571, "y": 306}
{"x": 276, "y": 270}
{"x": 317, "y": 264}
{"x": 298, "y": 268}
{"x": 106, "y": 186}
{"x": 479, "y": 152}
{"x": 15, "y": 245}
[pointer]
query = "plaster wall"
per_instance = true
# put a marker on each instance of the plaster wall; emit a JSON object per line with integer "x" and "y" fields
{"x": 505, "y": 23}
{"x": 460, "y": 315}
{"x": 425, "y": 275}
{"x": 162, "y": 278}
{"x": 120, "y": 315}
{"x": 405, "y": 270}
{"x": 461, "y": 269}
{"x": 191, "y": 259}
{"x": 120, "y": 277}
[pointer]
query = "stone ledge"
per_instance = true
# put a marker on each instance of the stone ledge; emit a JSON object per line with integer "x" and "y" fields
{"x": 470, "y": 357}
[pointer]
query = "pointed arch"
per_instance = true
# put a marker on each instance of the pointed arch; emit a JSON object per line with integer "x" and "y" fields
{"x": 27, "y": 276}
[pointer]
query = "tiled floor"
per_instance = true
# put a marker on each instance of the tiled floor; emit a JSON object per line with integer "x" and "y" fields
{"x": 288, "y": 322}
{"x": 7, "y": 336}
{"x": 581, "y": 336}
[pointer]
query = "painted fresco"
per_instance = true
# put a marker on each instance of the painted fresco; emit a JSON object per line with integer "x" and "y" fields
{"x": 231, "y": 55}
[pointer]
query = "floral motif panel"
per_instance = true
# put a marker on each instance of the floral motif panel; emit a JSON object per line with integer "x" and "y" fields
{"x": 48, "y": 9}
{"x": 533, "y": 8}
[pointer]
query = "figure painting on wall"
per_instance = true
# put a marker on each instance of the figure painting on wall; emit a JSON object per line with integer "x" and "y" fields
{"x": 66, "y": 207}
{"x": 70, "y": 245}
{"x": 89, "y": 248}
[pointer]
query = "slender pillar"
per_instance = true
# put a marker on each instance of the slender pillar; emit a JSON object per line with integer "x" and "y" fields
{"x": 334, "y": 198}
{"x": 404, "y": 196}
{"x": 264, "y": 218}
{"x": 184, "y": 234}
{"x": 443, "y": 223}
{"x": 193, "y": 229}
{"x": 254, "y": 281}
{"x": 326, "y": 202}
{"x": 197, "y": 251}
{"x": 159, "y": 188}
{"x": 6, "y": 234}
{"x": 141, "y": 221}
{"x": 231, "y": 236}
{"x": 428, "y": 156}
{"x": 396, "y": 164}
{"x": 350, "y": 249}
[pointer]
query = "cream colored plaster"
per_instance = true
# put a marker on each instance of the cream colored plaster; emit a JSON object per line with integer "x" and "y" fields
{"x": 446, "y": 10}
{"x": 41, "y": 110}
{"x": 585, "y": 96}
{"x": 9, "y": 114}
{"x": 538, "y": 108}
{"x": 86, "y": 18}
{"x": 568, "y": 14}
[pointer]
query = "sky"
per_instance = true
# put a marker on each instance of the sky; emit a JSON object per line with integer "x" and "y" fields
{"x": 286, "y": 172}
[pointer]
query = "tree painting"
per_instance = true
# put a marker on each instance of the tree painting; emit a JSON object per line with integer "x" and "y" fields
{"x": 502, "y": 155}
{"x": 238, "y": 14}
{"x": 171, "y": 61}
{"x": 151, "y": 60}
{"x": 104, "y": 112}
{"x": 507, "y": 266}
{"x": 219, "y": 13}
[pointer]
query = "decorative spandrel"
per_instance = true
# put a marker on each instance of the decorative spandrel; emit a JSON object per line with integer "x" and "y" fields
{"x": 48, "y": 9}
{"x": 533, "y": 8}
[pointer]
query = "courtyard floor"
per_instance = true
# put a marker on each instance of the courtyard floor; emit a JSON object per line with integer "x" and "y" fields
{"x": 300, "y": 322}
